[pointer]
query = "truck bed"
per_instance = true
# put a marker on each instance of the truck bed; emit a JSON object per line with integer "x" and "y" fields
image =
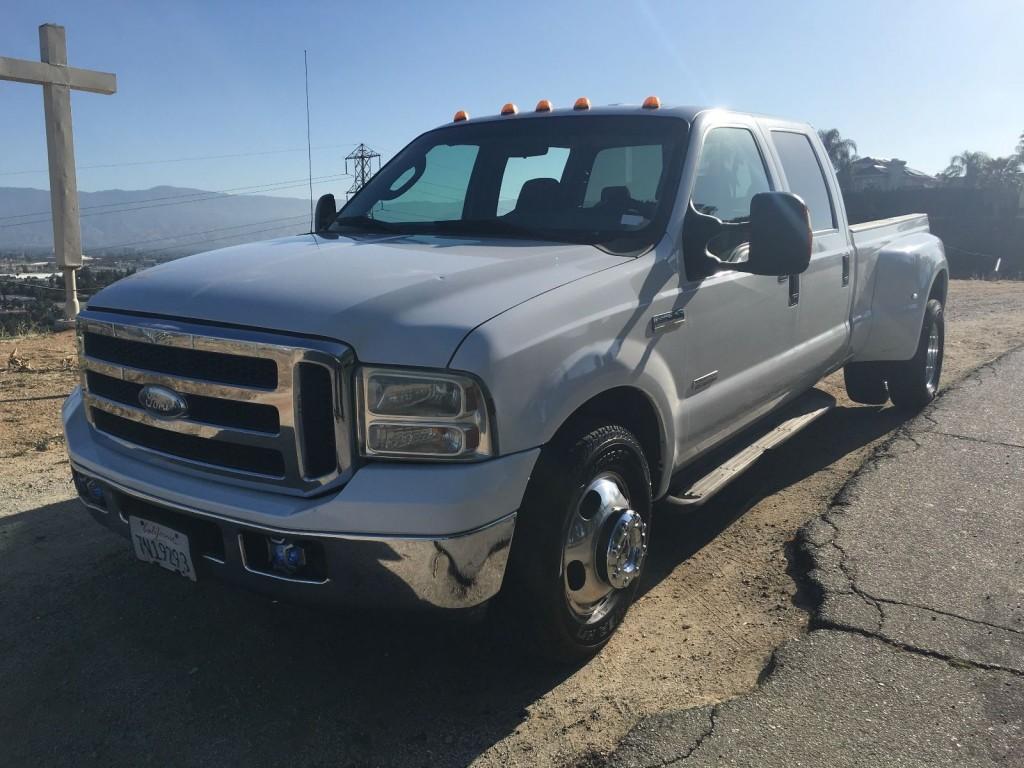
{"x": 872, "y": 233}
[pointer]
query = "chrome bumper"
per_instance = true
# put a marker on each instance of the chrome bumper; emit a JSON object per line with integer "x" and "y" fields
{"x": 459, "y": 571}
{"x": 394, "y": 534}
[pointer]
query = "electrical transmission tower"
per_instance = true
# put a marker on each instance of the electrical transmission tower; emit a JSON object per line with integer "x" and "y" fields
{"x": 362, "y": 158}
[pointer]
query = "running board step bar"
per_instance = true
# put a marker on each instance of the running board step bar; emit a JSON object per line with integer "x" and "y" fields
{"x": 801, "y": 413}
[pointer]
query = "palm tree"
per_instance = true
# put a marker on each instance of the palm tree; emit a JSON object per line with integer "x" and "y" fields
{"x": 968, "y": 165}
{"x": 1002, "y": 170}
{"x": 841, "y": 151}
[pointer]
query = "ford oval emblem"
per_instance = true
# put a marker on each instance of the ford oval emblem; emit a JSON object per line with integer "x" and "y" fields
{"x": 162, "y": 402}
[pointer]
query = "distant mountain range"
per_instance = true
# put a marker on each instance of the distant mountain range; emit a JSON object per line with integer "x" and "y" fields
{"x": 164, "y": 221}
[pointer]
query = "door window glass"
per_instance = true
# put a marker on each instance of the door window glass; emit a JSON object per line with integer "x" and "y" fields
{"x": 730, "y": 173}
{"x": 805, "y": 177}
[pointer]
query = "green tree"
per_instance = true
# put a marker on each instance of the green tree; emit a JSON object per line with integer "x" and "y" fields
{"x": 968, "y": 165}
{"x": 840, "y": 151}
{"x": 1020, "y": 147}
{"x": 1002, "y": 171}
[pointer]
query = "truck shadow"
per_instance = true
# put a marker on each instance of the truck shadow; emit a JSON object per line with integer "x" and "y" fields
{"x": 107, "y": 661}
{"x": 680, "y": 533}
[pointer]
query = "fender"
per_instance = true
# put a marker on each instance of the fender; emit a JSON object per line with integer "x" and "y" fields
{"x": 901, "y": 283}
{"x": 541, "y": 365}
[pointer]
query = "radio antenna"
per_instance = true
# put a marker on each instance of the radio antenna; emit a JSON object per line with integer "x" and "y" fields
{"x": 309, "y": 145}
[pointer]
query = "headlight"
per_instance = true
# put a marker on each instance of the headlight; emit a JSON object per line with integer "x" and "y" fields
{"x": 414, "y": 414}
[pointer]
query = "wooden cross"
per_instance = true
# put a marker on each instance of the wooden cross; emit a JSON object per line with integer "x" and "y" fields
{"x": 57, "y": 79}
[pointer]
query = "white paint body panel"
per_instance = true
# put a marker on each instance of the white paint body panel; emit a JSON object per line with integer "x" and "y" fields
{"x": 897, "y": 262}
{"x": 395, "y": 300}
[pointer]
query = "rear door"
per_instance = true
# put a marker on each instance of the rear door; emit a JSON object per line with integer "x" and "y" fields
{"x": 824, "y": 290}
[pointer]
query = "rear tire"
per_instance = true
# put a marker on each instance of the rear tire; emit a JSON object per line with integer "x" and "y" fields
{"x": 914, "y": 383}
{"x": 579, "y": 544}
{"x": 865, "y": 383}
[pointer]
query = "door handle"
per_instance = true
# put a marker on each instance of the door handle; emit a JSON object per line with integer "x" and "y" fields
{"x": 794, "y": 290}
{"x": 846, "y": 269}
{"x": 667, "y": 320}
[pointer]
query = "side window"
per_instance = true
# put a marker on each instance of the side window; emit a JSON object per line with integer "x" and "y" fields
{"x": 730, "y": 173}
{"x": 519, "y": 170}
{"x": 805, "y": 177}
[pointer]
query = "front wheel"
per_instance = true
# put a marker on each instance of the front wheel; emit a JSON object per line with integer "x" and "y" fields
{"x": 580, "y": 543}
{"x": 914, "y": 383}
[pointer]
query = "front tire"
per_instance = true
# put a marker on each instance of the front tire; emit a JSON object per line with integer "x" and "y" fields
{"x": 914, "y": 383}
{"x": 580, "y": 543}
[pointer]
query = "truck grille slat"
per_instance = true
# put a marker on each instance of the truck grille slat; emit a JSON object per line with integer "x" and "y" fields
{"x": 245, "y": 458}
{"x": 257, "y": 407}
{"x": 195, "y": 363}
{"x": 208, "y": 410}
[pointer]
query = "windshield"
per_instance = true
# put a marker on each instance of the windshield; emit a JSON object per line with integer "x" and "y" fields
{"x": 606, "y": 180}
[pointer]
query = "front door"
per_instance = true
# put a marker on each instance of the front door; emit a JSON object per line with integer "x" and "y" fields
{"x": 740, "y": 328}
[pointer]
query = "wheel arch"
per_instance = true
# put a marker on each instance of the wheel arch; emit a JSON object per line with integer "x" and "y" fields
{"x": 631, "y": 408}
{"x": 940, "y": 286}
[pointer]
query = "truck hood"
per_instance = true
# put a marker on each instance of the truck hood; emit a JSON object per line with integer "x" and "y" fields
{"x": 405, "y": 300}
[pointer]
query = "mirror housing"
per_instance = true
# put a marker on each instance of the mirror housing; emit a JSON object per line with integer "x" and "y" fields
{"x": 780, "y": 235}
{"x": 326, "y": 211}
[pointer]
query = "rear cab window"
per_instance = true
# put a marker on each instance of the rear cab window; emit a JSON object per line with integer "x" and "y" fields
{"x": 806, "y": 177}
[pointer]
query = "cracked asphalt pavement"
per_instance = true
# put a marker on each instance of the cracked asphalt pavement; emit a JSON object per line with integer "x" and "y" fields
{"x": 916, "y": 654}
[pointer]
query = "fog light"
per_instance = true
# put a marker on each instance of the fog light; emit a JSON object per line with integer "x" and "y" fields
{"x": 286, "y": 556}
{"x": 90, "y": 490}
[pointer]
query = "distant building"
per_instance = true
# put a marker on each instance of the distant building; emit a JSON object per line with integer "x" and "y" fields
{"x": 869, "y": 173}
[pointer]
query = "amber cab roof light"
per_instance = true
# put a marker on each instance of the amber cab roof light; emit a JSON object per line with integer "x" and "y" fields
{"x": 460, "y": 116}
{"x": 652, "y": 102}
{"x": 509, "y": 109}
{"x": 582, "y": 103}
{"x": 543, "y": 106}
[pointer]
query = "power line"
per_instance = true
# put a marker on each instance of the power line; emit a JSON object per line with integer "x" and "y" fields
{"x": 186, "y": 159}
{"x": 196, "y": 197}
{"x": 267, "y": 185}
{"x": 215, "y": 239}
{"x": 193, "y": 234}
{"x": 21, "y": 283}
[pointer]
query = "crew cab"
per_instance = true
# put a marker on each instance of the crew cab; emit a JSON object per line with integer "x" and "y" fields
{"x": 473, "y": 383}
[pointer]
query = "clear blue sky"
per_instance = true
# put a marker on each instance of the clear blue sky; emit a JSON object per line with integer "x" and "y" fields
{"x": 919, "y": 80}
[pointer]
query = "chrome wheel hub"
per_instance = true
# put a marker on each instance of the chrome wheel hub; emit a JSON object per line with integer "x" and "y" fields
{"x": 605, "y": 546}
{"x": 931, "y": 359}
{"x": 627, "y": 546}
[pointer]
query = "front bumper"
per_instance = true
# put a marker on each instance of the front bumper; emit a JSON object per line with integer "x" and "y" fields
{"x": 396, "y": 535}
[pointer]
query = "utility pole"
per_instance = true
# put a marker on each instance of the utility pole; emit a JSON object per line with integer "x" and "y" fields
{"x": 362, "y": 158}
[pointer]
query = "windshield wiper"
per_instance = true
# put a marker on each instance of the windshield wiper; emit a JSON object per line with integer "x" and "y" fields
{"x": 499, "y": 227}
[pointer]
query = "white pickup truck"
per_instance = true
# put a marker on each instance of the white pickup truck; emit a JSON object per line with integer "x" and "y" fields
{"x": 478, "y": 378}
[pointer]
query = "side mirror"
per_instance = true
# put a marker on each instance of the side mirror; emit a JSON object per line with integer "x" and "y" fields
{"x": 780, "y": 235}
{"x": 326, "y": 211}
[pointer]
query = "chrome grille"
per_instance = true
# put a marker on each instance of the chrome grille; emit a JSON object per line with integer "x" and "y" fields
{"x": 246, "y": 418}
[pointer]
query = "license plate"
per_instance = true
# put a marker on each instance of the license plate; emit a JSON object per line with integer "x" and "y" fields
{"x": 155, "y": 543}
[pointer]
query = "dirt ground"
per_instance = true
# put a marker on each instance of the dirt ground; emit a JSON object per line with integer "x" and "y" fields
{"x": 106, "y": 661}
